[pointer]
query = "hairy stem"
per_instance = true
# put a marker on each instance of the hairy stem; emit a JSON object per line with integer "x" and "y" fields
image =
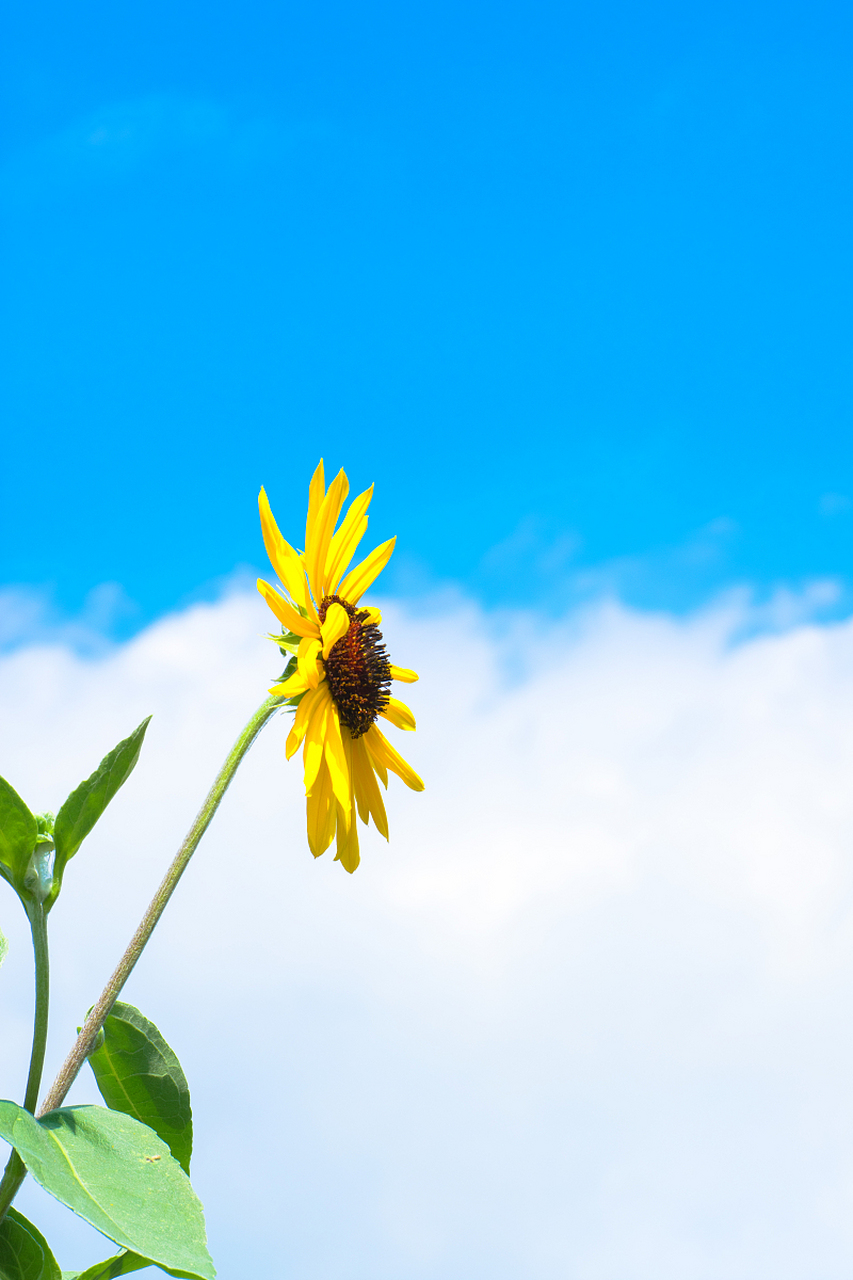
{"x": 109, "y": 995}
{"x": 15, "y": 1171}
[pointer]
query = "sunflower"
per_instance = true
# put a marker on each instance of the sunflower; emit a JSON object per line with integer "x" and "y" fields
{"x": 339, "y": 676}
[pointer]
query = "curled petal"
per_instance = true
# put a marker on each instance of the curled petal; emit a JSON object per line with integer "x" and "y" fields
{"x": 309, "y": 651}
{"x": 335, "y": 626}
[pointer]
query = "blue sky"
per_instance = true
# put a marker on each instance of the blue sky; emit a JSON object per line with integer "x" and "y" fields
{"x": 570, "y": 282}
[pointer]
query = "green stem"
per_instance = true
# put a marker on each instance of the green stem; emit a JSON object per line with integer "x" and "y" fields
{"x": 38, "y": 925}
{"x": 15, "y": 1171}
{"x": 109, "y": 995}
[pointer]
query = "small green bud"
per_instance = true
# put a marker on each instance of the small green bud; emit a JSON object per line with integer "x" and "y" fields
{"x": 38, "y": 878}
{"x": 44, "y": 822}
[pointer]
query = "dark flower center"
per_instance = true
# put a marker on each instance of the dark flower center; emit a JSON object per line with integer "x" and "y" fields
{"x": 357, "y": 669}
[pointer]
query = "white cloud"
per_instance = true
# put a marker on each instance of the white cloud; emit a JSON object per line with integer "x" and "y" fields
{"x": 588, "y": 1015}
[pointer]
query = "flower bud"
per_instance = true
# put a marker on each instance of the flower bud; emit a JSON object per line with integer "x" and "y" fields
{"x": 38, "y": 879}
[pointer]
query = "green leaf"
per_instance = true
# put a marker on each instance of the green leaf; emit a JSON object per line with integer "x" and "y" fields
{"x": 24, "y": 1252}
{"x": 18, "y": 832}
{"x": 118, "y": 1175}
{"x": 139, "y": 1074}
{"x": 85, "y": 805}
{"x": 120, "y": 1264}
{"x": 4, "y": 946}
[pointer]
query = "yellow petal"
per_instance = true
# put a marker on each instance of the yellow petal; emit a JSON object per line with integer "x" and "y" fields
{"x": 347, "y": 844}
{"x": 403, "y": 674}
{"x": 356, "y": 583}
{"x": 300, "y": 722}
{"x": 309, "y": 651}
{"x": 398, "y": 713}
{"x": 367, "y": 792}
{"x": 374, "y": 617}
{"x": 359, "y": 796}
{"x": 283, "y": 558}
{"x": 343, "y": 544}
{"x": 317, "y": 547}
{"x": 335, "y": 626}
{"x": 321, "y": 813}
{"x": 331, "y": 818}
{"x": 286, "y": 613}
{"x": 379, "y": 767}
{"x": 315, "y": 737}
{"x": 335, "y": 755}
{"x": 381, "y": 750}
{"x": 316, "y": 493}
{"x": 290, "y": 687}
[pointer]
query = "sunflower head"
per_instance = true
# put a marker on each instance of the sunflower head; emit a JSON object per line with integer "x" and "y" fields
{"x": 338, "y": 676}
{"x": 357, "y": 668}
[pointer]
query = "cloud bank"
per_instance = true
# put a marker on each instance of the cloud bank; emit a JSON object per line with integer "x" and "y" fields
{"x": 587, "y": 1015}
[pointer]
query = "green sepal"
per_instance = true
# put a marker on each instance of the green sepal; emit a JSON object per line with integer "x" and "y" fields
{"x": 18, "y": 835}
{"x": 85, "y": 805}
{"x": 117, "y": 1175}
{"x": 24, "y": 1252}
{"x": 287, "y": 672}
{"x": 138, "y": 1073}
{"x": 288, "y": 642}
